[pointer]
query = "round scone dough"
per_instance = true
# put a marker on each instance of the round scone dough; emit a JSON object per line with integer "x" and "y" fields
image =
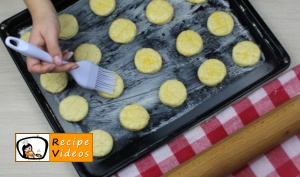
{"x": 220, "y": 23}
{"x": 26, "y": 36}
{"x": 134, "y": 117}
{"x": 159, "y": 12}
{"x": 73, "y": 108}
{"x": 122, "y": 31}
{"x": 118, "y": 89}
{"x": 148, "y": 61}
{"x": 212, "y": 72}
{"x": 68, "y": 26}
{"x": 172, "y": 93}
{"x": 102, "y": 143}
{"x": 197, "y": 1}
{"x": 88, "y": 52}
{"x": 246, "y": 53}
{"x": 189, "y": 43}
{"x": 54, "y": 82}
{"x": 103, "y": 7}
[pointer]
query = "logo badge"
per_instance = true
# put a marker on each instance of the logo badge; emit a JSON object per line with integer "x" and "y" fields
{"x": 32, "y": 147}
{"x": 54, "y": 147}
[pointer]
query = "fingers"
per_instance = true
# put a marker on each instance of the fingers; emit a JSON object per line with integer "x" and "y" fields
{"x": 64, "y": 68}
{"x": 67, "y": 55}
{"x": 51, "y": 39}
{"x": 40, "y": 69}
{"x": 44, "y": 67}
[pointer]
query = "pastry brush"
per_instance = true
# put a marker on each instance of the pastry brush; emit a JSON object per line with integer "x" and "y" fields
{"x": 88, "y": 75}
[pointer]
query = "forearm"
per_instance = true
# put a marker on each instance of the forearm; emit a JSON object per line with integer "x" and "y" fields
{"x": 39, "y": 8}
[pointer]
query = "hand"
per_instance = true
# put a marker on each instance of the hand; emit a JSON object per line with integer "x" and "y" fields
{"x": 44, "y": 34}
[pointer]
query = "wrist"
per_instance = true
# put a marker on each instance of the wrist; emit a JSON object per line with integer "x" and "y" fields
{"x": 40, "y": 9}
{"x": 40, "y": 16}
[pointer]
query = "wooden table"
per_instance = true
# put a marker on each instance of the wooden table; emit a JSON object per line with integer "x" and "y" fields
{"x": 19, "y": 112}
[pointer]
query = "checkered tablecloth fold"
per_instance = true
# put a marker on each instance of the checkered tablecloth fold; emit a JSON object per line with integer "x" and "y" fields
{"x": 283, "y": 160}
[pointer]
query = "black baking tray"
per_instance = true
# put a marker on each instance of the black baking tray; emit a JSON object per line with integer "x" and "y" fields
{"x": 275, "y": 61}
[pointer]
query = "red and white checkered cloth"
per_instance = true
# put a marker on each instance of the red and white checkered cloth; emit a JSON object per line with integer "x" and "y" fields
{"x": 283, "y": 160}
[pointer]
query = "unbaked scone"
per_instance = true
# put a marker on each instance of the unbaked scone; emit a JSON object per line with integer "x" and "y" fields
{"x": 197, "y": 1}
{"x": 134, "y": 117}
{"x": 88, "y": 52}
{"x": 118, "y": 89}
{"x": 172, "y": 93}
{"x": 73, "y": 108}
{"x": 122, "y": 31}
{"x": 220, "y": 23}
{"x": 26, "y": 36}
{"x": 147, "y": 61}
{"x": 159, "y": 12}
{"x": 246, "y": 53}
{"x": 102, "y": 143}
{"x": 212, "y": 72}
{"x": 54, "y": 82}
{"x": 68, "y": 26}
{"x": 103, "y": 7}
{"x": 189, "y": 43}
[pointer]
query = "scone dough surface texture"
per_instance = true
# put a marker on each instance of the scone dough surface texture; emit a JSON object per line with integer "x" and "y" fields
{"x": 122, "y": 31}
{"x": 88, "y": 52}
{"x": 246, "y": 53}
{"x": 220, "y": 23}
{"x": 197, "y": 1}
{"x": 102, "y": 7}
{"x": 148, "y": 61}
{"x": 212, "y": 72}
{"x": 172, "y": 93}
{"x": 118, "y": 90}
{"x": 26, "y": 36}
{"x": 68, "y": 26}
{"x": 102, "y": 143}
{"x": 74, "y": 108}
{"x": 54, "y": 82}
{"x": 189, "y": 43}
{"x": 159, "y": 12}
{"x": 134, "y": 117}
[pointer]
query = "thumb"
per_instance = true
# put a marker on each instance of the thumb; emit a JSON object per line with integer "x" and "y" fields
{"x": 54, "y": 49}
